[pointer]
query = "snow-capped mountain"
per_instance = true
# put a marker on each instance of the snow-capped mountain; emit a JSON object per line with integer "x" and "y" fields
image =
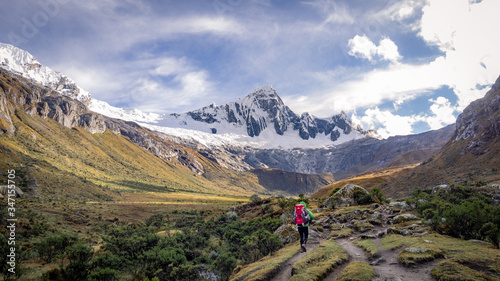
{"x": 24, "y": 64}
{"x": 261, "y": 119}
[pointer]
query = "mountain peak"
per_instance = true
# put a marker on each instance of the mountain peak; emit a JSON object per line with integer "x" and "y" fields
{"x": 262, "y": 119}
{"x": 263, "y": 93}
{"x": 22, "y": 63}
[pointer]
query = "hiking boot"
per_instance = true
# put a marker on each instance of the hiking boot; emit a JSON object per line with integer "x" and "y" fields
{"x": 303, "y": 247}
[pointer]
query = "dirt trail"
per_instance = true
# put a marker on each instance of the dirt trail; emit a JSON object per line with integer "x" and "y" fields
{"x": 387, "y": 267}
{"x": 392, "y": 270}
{"x": 355, "y": 254}
{"x": 286, "y": 271}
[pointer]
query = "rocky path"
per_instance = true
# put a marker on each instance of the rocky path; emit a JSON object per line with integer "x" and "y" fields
{"x": 385, "y": 263}
{"x": 387, "y": 267}
{"x": 390, "y": 269}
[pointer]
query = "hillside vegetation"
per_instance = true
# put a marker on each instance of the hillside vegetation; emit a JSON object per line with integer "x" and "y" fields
{"x": 55, "y": 161}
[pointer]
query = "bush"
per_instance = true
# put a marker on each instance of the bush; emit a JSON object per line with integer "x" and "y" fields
{"x": 224, "y": 265}
{"x": 255, "y": 198}
{"x": 54, "y": 246}
{"x": 79, "y": 256}
{"x": 376, "y": 194}
{"x": 106, "y": 274}
{"x": 334, "y": 191}
{"x": 361, "y": 197}
{"x": 155, "y": 220}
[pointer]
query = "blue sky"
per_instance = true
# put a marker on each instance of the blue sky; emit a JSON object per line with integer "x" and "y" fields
{"x": 398, "y": 66}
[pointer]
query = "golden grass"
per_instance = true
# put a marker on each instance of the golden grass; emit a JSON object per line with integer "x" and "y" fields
{"x": 357, "y": 271}
{"x": 94, "y": 166}
{"x": 452, "y": 271}
{"x": 368, "y": 181}
{"x": 319, "y": 262}
{"x": 266, "y": 267}
{"x": 473, "y": 254}
{"x": 369, "y": 247}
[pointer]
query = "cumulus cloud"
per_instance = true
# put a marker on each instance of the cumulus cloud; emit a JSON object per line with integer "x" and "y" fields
{"x": 469, "y": 63}
{"x": 363, "y": 47}
{"x": 443, "y": 113}
{"x": 461, "y": 29}
{"x": 386, "y": 123}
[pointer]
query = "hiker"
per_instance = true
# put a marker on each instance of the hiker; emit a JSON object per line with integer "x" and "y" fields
{"x": 302, "y": 217}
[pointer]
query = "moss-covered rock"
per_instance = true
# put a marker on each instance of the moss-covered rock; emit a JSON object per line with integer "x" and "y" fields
{"x": 349, "y": 195}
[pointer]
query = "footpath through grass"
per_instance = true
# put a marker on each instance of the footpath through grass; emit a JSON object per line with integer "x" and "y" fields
{"x": 319, "y": 262}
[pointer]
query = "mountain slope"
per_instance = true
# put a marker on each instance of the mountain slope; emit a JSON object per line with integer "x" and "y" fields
{"x": 260, "y": 119}
{"x": 23, "y": 63}
{"x": 257, "y": 131}
{"x": 58, "y": 134}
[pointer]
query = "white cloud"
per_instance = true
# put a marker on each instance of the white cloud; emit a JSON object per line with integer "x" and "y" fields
{"x": 172, "y": 82}
{"x": 363, "y": 47}
{"x": 389, "y": 124}
{"x": 462, "y": 30}
{"x": 403, "y": 10}
{"x": 443, "y": 113}
{"x": 172, "y": 66}
{"x": 386, "y": 123}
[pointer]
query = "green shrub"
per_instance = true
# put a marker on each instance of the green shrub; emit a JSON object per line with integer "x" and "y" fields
{"x": 54, "y": 246}
{"x": 106, "y": 274}
{"x": 462, "y": 212}
{"x": 255, "y": 198}
{"x": 361, "y": 197}
{"x": 376, "y": 194}
{"x": 224, "y": 265}
{"x": 155, "y": 220}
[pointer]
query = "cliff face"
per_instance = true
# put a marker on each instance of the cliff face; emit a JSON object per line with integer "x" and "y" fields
{"x": 354, "y": 157}
{"x": 479, "y": 124}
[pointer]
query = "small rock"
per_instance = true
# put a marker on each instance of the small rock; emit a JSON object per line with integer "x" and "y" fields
{"x": 378, "y": 261}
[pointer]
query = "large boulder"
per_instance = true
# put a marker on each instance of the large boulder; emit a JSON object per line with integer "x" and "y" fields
{"x": 348, "y": 196}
